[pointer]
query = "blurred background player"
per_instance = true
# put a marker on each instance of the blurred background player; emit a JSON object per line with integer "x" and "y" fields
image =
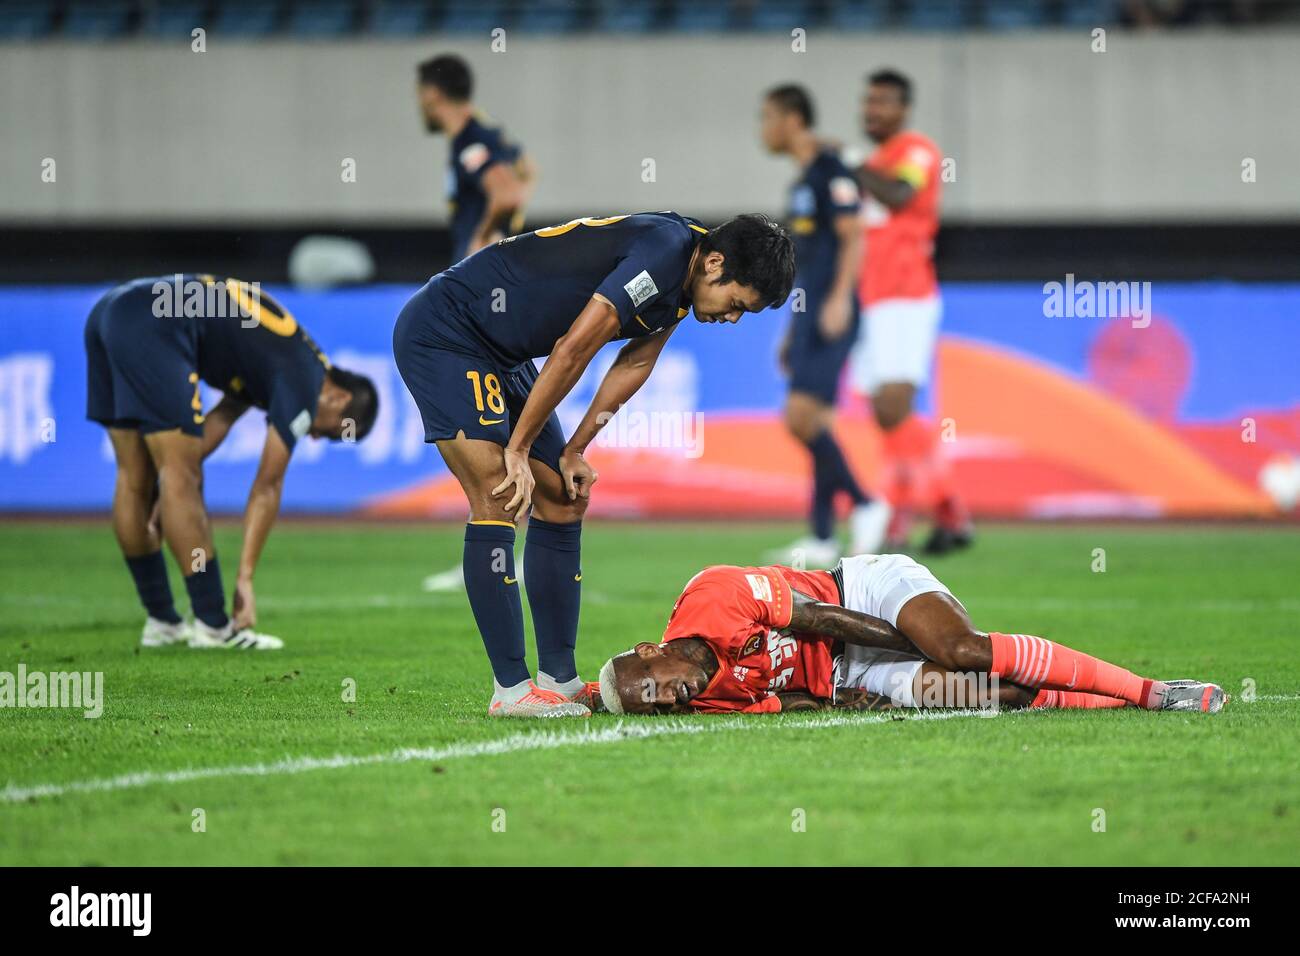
{"x": 823, "y": 220}
{"x": 489, "y": 179}
{"x": 902, "y": 311}
{"x": 147, "y": 349}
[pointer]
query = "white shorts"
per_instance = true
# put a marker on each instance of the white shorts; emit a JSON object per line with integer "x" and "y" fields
{"x": 895, "y": 343}
{"x": 879, "y": 585}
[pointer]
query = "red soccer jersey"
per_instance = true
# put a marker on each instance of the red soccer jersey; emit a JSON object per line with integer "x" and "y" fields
{"x": 741, "y": 612}
{"x": 898, "y": 251}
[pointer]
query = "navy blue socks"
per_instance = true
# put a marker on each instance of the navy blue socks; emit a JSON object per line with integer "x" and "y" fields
{"x": 553, "y": 576}
{"x": 831, "y": 473}
{"x": 150, "y": 573}
{"x": 207, "y": 598}
{"x": 493, "y": 591}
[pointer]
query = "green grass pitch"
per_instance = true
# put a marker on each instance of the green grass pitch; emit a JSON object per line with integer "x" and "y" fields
{"x": 413, "y": 772}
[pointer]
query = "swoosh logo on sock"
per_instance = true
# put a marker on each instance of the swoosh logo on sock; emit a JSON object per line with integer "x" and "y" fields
{"x": 509, "y": 580}
{"x": 578, "y": 576}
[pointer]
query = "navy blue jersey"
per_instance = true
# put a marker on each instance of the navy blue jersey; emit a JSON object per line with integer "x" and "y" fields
{"x": 254, "y": 350}
{"x": 516, "y": 298}
{"x": 825, "y": 190}
{"x": 474, "y": 150}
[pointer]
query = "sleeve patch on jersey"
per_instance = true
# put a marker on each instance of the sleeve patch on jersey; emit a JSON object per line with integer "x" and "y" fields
{"x": 844, "y": 191}
{"x": 301, "y": 424}
{"x": 474, "y": 156}
{"x": 641, "y": 288}
{"x": 752, "y": 646}
{"x": 761, "y": 586}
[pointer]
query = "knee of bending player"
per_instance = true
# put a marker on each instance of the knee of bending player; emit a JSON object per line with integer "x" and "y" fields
{"x": 560, "y": 512}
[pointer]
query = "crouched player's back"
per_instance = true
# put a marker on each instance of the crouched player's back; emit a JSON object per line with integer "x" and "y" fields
{"x": 513, "y": 300}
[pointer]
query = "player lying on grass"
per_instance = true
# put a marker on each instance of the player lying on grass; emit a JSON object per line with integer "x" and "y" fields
{"x": 465, "y": 345}
{"x": 756, "y": 640}
{"x": 149, "y": 343}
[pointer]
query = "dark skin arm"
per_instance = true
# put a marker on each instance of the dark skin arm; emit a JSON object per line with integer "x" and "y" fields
{"x": 890, "y": 191}
{"x": 811, "y": 616}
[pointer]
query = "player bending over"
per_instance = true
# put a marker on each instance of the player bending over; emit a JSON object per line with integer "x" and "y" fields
{"x": 465, "y": 344}
{"x": 149, "y": 343}
{"x": 744, "y": 639}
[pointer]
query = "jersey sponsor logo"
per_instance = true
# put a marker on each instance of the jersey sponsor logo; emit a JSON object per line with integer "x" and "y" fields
{"x": 473, "y": 156}
{"x": 301, "y": 423}
{"x": 641, "y": 288}
{"x": 752, "y": 646}
{"x": 761, "y": 586}
{"x": 844, "y": 191}
{"x": 740, "y": 673}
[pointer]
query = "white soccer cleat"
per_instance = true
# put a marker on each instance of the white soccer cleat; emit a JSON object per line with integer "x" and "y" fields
{"x": 204, "y": 637}
{"x": 808, "y": 552}
{"x": 529, "y": 700}
{"x": 158, "y": 633}
{"x": 1193, "y": 695}
{"x": 869, "y": 523}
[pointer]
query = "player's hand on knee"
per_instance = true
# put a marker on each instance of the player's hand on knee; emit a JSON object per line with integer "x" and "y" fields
{"x": 244, "y": 607}
{"x": 520, "y": 475}
{"x": 577, "y": 474}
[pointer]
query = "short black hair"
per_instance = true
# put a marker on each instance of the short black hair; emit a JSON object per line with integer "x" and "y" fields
{"x": 793, "y": 98}
{"x": 450, "y": 74}
{"x": 363, "y": 407}
{"x": 895, "y": 79}
{"x": 759, "y": 253}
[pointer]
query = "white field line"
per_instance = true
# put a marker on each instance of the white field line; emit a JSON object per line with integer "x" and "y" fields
{"x": 514, "y": 743}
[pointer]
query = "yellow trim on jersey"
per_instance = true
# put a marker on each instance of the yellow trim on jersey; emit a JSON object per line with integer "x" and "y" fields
{"x": 700, "y": 229}
{"x": 802, "y": 225}
{"x": 642, "y": 321}
{"x": 503, "y": 524}
{"x": 682, "y": 313}
{"x": 560, "y": 230}
{"x": 911, "y": 174}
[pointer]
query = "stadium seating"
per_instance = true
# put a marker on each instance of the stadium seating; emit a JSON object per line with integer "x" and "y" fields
{"x": 105, "y": 19}
{"x": 321, "y": 18}
{"x": 781, "y": 15}
{"x": 625, "y": 16}
{"x": 166, "y": 18}
{"x": 471, "y": 16}
{"x": 702, "y": 16}
{"x": 858, "y": 14}
{"x": 400, "y": 18}
{"x": 247, "y": 18}
{"x": 548, "y": 16}
{"x": 1015, "y": 14}
{"x": 25, "y": 19}
{"x": 97, "y": 19}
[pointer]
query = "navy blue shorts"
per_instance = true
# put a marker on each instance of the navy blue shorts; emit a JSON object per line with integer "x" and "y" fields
{"x": 459, "y": 389}
{"x": 815, "y": 364}
{"x": 141, "y": 370}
